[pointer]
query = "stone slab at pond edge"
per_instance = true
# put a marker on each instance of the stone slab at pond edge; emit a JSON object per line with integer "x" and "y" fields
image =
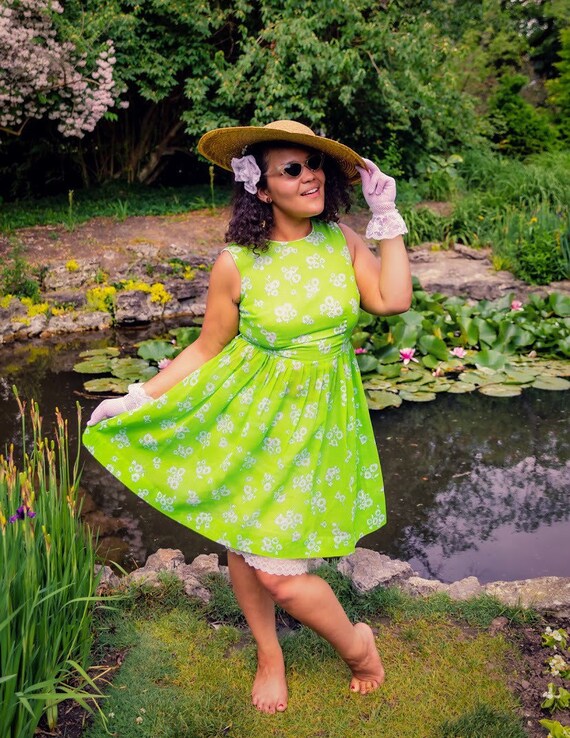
{"x": 367, "y": 570}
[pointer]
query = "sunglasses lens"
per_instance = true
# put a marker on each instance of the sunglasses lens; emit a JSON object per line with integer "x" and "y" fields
{"x": 293, "y": 169}
{"x": 314, "y": 162}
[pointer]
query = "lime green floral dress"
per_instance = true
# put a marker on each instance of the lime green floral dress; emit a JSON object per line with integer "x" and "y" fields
{"x": 268, "y": 447}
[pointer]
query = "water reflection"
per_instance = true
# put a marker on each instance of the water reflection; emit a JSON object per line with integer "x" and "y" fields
{"x": 475, "y": 485}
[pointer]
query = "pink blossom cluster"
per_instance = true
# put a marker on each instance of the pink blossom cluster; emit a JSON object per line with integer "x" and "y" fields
{"x": 41, "y": 75}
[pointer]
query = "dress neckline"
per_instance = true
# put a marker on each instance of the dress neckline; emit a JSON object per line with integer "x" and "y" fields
{"x": 296, "y": 240}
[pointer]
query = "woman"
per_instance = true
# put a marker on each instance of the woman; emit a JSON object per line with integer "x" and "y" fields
{"x": 258, "y": 435}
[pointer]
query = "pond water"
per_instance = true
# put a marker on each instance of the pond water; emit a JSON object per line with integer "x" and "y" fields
{"x": 475, "y": 485}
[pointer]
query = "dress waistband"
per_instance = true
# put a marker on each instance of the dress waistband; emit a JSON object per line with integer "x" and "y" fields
{"x": 313, "y": 351}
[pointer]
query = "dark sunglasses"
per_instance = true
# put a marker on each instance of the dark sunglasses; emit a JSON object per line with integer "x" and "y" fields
{"x": 293, "y": 169}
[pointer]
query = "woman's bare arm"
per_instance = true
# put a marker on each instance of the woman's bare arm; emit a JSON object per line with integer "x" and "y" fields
{"x": 385, "y": 284}
{"x": 220, "y": 326}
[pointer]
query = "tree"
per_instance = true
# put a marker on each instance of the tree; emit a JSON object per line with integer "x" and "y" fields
{"x": 559, "y": 88}
{"x": 43, "y": 75}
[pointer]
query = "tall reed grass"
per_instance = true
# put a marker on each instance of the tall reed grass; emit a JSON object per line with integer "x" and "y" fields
{"x": 47, "y": 580}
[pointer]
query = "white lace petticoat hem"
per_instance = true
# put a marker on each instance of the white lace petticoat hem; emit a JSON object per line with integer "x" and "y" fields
{"x": 281, "y": 567}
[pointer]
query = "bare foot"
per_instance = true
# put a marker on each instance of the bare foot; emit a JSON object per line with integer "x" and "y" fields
{"x": 269, "y": 693}
{"x": 367, "y": 670}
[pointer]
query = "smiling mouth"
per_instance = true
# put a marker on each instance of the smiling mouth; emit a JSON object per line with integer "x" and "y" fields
{"x": 310, "y": 192}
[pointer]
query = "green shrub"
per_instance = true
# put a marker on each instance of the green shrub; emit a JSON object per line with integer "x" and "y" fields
{"x": 17, "y": 277}
{"x": 519, "y": 129}
{"x": 535, "y": 246}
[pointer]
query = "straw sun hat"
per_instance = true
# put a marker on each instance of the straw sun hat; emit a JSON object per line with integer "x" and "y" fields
{"x": 223, "y": 144}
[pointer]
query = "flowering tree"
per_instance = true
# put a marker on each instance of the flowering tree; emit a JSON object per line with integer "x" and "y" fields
{"x": 44, "y": 76}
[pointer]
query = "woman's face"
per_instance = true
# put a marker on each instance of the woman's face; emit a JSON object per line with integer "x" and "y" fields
{"x": 295, "y": 197}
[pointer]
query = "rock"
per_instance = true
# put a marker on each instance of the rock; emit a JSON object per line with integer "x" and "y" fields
{"x": 134, "y": 306}
{"x": 14, "y": 307}
{"x": 369, "y": 569}
{"x": 469, "y": 252}
{"x": 189, "y": 289}
{"x": 225, "y": 572}
{"x": 465, "y": 588}
{"x": 144, "y": 250}
{"x": 197, "y": 309}
{"x": 108, "y": 579}
{"x": 316, "y": 563}
{"x": 143, "y": 576}
{"x": 29, "y": 327}
{"x": 498, "y": 625}
{"x": 165, "y": 559}
{"x": 546, "y": 594}
{"x": 418, "y": 587}
{"x": 61, "y": 277}
{"x": 192, "y": 585}
{"x": 96, "y": 320}
{"x": 204, "y": 564}
{"x": 76, "y": 298}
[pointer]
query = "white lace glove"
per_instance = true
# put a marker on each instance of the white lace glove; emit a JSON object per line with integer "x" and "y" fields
{"x": 379, "y": 191}
{"x": 136, "y": 397}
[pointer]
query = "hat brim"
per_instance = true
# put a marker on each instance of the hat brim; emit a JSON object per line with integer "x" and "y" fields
{"x": 221, "y": 145}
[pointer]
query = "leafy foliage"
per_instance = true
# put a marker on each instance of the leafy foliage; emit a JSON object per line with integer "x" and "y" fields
{"x": 519, "y": 128}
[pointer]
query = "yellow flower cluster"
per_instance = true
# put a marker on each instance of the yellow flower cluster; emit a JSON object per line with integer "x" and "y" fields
{"x": 72, "y": 265}
{"x": 159, "y": 294}
{"x": 40, "y": 308}
{"x": 5, "y": 301}
{"x": 134, "y": 284}
{"x": 101, "y": 298}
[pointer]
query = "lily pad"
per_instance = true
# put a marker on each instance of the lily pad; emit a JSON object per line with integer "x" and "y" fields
{"x": 490, "y": 359}
{"x": 551, "y": 383}
{"x": 439, "y": 386}
{"x": 461, "y": 388}
{"x": 380, "y": 399}
{"x": 94, "y": 365}
{"x": 107, "y": 384}
{"x": 186, "y": 335}
{"x": 413, "y": 375}
{"x": 156, "y": 350}
{"x": 376, "y": 383}
{"x": 390, "y": 371}
{"x": 108, "y": 351}
{"x": 501, "y": 390}
{"x": 359, "y": 338}
{"x": 417, "y": 396}
{"x": 129, "y": 368}
{"x": 518, "y": 376}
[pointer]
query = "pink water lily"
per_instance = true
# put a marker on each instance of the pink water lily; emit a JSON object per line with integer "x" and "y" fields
{"x": 360, "y": 351}
{"x": 516, "y": 305}
{"x": 407, "y": 355}
{"x": 163, "y": 363}
{"x": 459, "y": 352}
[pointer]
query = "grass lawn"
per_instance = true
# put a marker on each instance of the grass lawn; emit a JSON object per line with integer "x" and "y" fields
{"x": 186, "y": 676}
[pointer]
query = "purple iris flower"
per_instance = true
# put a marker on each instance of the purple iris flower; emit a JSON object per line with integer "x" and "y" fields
{"x": 21, "y": 513}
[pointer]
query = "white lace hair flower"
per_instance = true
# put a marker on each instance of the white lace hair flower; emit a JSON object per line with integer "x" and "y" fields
{"x": 247, "y": 171}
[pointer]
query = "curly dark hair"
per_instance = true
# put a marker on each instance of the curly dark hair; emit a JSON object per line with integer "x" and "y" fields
{"x": 251, "y": 222}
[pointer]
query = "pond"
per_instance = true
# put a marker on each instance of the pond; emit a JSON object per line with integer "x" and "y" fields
{"x": 475, "y": 485}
